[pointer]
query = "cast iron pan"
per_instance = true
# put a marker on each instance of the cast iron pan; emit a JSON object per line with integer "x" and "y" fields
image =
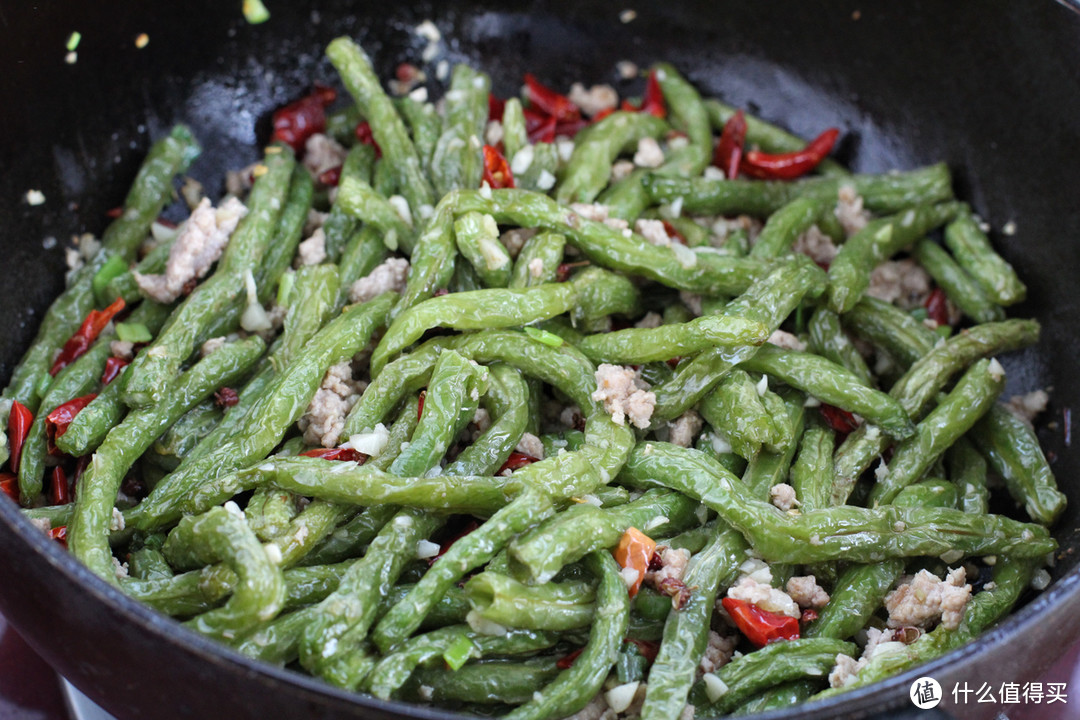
{"x": 990, "y": 87}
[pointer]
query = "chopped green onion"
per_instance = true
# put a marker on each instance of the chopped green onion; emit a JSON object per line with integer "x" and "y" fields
{"x": 919, "y": 313}
{"x": 73, "y": 40}
{"x": 133, "y": 332}
{"x": 113, "y": 267}
{"x": 285, "y": 288}
{"x": 459, "y": 652}
{"x": 544, "y": 336}
{"x": 943, "y": 330}
{"x": 631, "y": 664}
{"x": 255, "y": 12}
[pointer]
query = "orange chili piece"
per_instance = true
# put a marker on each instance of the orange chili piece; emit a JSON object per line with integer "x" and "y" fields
{"x": 635, "y": 550}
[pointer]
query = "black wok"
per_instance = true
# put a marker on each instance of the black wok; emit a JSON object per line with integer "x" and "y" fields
{"x": 993, "y": 88}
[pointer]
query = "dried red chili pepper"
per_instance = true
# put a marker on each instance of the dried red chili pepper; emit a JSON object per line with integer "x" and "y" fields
{"x": 226, "y": 397}
{"x": 602, "y": 114}
{"x": 937, "y": 306}
{"x": 134, "y": 487}
{"x": 9, "y": 485}
{"x": 676, "y": 590}
{"x": 729, "y": 148}
{"x": 653, "y": 102}
{"x": 114, "y": 212}
{"x": 562, "y": 273}
{"x": 341, "y": 454}
{"x": 548, "y": 101}
{"x": 420, "y": 406}
{"x": 81, "y": 464}
{"x": 496, "y": 170}
{"x": 446, "y": 544}
{"x": 496, "y": 107}
{"x": 808, "y": 615}
{"x": 570, "y": 128}
{"x": 516, "y": 461}
{"x": 839, "y": 420}
{"x": 59, "y": 491}
{"x": 407, "y": 73}
{"x": 674, "y": 362}
{"x": 57, "y": 422}
{"x": 567, "y": 661}
{"x": 673, "y": 232}
{"x": 538, "y": 126}
{"x": 761, "y": 627}
{"x": 366, "y": 137}
{"x": 59, "y": 535}
{"x": 84, "y": 337}
{"x": 788, "y": 166}
{"x": 19, "y": 421}
{"x": 331, "y": 177}
{"x": 297, "y": 121}
{"x": 113, "y": 366}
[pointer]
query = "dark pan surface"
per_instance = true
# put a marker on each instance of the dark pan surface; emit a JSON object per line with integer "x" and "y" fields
{"x": 990, "y": 87}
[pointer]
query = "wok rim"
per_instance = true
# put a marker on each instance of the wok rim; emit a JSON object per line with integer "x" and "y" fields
{"x": 1061, "y": 597}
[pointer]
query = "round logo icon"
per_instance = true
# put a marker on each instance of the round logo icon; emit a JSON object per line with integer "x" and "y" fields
{"x": 925, "y": 693}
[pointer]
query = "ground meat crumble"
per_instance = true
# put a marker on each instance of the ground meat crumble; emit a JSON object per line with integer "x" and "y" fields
{"x": 325, "y": 417}
{"x": 1027, "y": 407}
{"x": 805, "y": 591}
{"x": 782, "y": 496}
{"x": 924, "y": 598}
{"x": 902, "y": 282}
{"x": 313, "y": 250}
{"x": 816, "y": 245}
{"x": 200, "y": 243}
{"x": 531, "y": 446}
{"x": 718, "y": 652}
{"x": 685, "y": 428}
{"x": 648, "y": 153}
{"x": 596, "y": 99}
{"x": 624, "y": 394}
{"x": 321, "y": 153}
{"x": 849, "y": 210}
{"x": 390, "y": 275}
